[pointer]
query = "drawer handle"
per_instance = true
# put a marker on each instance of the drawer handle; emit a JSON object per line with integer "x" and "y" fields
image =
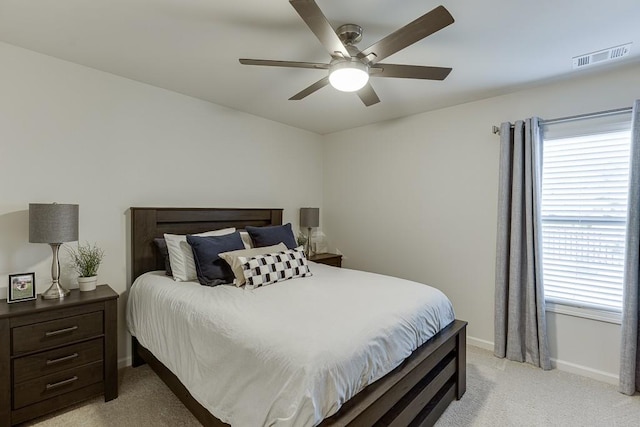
{"x": 61, "y": 383}
{"x": 60, "y": 331}
{"x": 61, "y": 359}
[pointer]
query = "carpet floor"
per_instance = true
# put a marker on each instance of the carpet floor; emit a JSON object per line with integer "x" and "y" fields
{"x": 505, "y": 393}
{"x": 499, "y": 393}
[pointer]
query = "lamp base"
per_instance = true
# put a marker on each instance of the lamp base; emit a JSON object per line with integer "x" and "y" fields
{"x": 308, "y": 242}
{"x": 55, "y": 291}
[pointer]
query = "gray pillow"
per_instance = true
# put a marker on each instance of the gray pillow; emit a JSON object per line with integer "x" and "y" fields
{"x": 161, "y": 244}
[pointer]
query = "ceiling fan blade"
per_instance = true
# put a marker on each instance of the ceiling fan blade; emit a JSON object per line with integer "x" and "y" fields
{"x": 410, "y": 71}
{"x": 309, "y": 90}
{"x": 317, "y": 22}
{"x": 292, "y": 64}
{"x": 368, "y": 95}
{"x": 426, "y": 25}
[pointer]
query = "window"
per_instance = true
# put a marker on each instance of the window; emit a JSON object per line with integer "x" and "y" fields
{"x": 585, "y": 175}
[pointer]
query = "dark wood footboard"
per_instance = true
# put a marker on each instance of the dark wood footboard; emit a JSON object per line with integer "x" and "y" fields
{"x": 416, "y": 393}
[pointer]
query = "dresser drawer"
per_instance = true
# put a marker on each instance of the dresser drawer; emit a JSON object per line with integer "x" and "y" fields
{"x": 42, "y": 388}
{"x": 56, "y": 332}
{"x": 49, "y": 362}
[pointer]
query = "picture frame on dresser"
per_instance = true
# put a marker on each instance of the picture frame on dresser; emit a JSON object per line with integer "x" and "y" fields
{"x": 22, "y": 287}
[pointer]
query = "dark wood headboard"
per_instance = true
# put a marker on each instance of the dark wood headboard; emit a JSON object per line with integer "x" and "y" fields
{"x": 149, "y": 223}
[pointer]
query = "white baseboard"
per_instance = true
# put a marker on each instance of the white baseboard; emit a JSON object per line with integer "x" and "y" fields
{"x": 585, "y": 371}
{"x": 561, "y": 365}
{"x": 477, "y": 342}
{"x": 124, "y": 362}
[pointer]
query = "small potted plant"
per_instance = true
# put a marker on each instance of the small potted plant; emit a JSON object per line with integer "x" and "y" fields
{"x": 301, "y": 240}
{"x": 86, "y": 261}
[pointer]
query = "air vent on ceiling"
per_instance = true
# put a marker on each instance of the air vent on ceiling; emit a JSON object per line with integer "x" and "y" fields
{"x": 601, "y": 56}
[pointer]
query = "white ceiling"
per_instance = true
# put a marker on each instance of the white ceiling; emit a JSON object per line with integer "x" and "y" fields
{"x": 193, "y": 46}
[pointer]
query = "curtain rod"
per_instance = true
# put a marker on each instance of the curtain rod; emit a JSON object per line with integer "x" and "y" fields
{"x": 496, "y": 130}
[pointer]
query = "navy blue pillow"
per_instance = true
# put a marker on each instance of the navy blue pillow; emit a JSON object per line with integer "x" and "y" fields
{"x": 213, "y": 270}
{"x": 272, "y": 235}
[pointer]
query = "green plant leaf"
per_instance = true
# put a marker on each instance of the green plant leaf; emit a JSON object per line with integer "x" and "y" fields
{"x": 86, "y": 259}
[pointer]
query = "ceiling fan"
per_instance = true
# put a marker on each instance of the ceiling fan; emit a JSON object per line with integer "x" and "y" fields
{"x": 350, "y": 68}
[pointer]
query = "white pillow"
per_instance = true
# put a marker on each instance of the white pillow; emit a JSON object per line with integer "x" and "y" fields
{"x": 181, "y": 257}
{"x": 232, "y": 258}
{"x": 246, "y": 240}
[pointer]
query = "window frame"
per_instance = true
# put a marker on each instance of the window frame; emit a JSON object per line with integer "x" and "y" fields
{"x": 584, "y": 312}
{"x": 578, "y": 308}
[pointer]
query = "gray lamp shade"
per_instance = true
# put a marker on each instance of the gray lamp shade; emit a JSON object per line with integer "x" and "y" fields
{"x": 309, "y": 217}
{"x": 53, "y": 223}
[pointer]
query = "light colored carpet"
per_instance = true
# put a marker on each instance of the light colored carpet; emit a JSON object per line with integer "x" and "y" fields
{"x": 505, "y": 393}
{"x": 499, "y": 393}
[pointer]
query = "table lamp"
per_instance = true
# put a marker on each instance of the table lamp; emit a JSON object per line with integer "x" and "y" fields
{"x": 309, "y": 218}
{"x": 53, "y": 224}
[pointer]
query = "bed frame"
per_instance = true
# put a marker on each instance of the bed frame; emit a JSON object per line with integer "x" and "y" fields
{"x": 416, "y": 393}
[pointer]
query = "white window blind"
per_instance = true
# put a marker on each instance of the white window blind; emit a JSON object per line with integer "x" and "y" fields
{"x": 583, "y": 212}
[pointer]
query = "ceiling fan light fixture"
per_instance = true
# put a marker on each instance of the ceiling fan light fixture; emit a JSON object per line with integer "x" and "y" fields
{"x": 348, "y": 76}
{"x": 349, "y": 68}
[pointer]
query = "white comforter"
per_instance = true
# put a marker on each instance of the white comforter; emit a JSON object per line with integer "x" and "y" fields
{"x": 288, "y": 354}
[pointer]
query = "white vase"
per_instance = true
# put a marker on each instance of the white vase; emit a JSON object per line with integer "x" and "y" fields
{"x": 87, "y": 283}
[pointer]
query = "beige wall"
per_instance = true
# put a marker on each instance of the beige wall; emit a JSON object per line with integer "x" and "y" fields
{"x": 417, "y": 198}
{"x": 72, "y": 134}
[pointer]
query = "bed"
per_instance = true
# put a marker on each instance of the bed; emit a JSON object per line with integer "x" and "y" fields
{"x": 414, "y": 393}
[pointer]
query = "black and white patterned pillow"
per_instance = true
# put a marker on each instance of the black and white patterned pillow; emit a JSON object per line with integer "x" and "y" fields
{"x": 262, "y": 270}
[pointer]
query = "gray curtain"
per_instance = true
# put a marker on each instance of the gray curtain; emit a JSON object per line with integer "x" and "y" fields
{"x": 630, "y": 352}
{"x": 520, "y": 323}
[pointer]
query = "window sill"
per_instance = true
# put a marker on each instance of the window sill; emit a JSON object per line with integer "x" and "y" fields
{"x": 586, "y": 313}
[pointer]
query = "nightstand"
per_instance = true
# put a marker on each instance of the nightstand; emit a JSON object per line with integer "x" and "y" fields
{"x": 55, "y": 353}
{"x": 328, "y": 259}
